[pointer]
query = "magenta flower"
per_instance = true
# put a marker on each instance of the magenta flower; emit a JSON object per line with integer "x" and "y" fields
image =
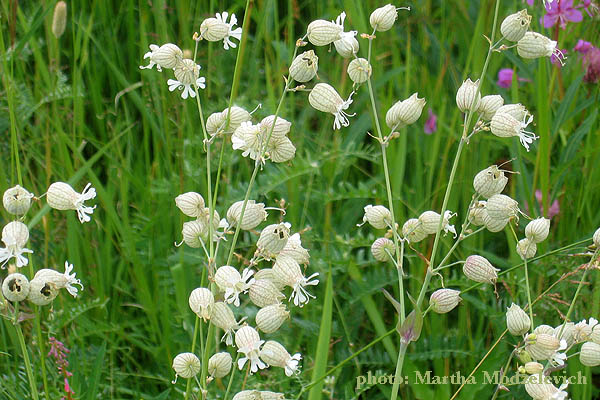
{"x": 554, "y": 208}
{"x": 431, "y": 123}
{"x": 591, "y": 61}
{"x": 506, "y": 76}
{"x": 582, "y": 46}
{"x": 561, "y": 12}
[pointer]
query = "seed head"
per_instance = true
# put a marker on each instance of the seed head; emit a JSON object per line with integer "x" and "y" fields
{"x": 273, "y": 239}
{"x": 15, "y": 287}
{"x": 41, "y": 292}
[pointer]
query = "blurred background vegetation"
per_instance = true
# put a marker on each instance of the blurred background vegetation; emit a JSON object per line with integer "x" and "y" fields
{"x": 83, "y": 110}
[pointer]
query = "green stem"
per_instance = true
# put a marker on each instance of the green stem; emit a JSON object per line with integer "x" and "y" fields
{"x": 233, "y": 369}
{"x": 512, "y": 353}
{"x": 30, "y": 375}
{"x": 398, "y": 372}
{"x": 528, "y": 294}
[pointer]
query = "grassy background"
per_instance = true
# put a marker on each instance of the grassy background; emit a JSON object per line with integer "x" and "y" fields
{"x": 83, "y": 110}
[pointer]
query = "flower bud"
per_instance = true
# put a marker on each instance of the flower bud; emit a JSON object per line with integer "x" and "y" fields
{"x": 523, "y": 355}
{"x": 517, "y": 320}
{"x": 254, "y": 214}
{"x": 477, "y": 213}
{"x": 468, "y": 96}
{"x": 59, "y": 19}
{"x": 359, "y": 70}
{"x": 219, "y": 364}
{"x": 515, "y": 26}
{"x": 444, "y": 300}
{"x": 263, "y": 292}
{"x": 383, "y": 18}
{"x": 501, "y": 207}
{"x": 186, "y": 365}
{"x": 15, "y": 287}
{"x": 596, "y": 238}
{"x": 490, "y": 181}
{"x": 526, "y": 248}
{"x": 273, "y": 239}
{"x": 274, "y": 354}
{"x": 590, "y": 354}
{"x": 322, "y": 33}
{"x": 489, "y": 105}
{"x": 17, "y": 200}
{"x": 535, "y": 45}
{"x": 304, "y": 67}
{"x": 405, "y": 112}
{"x": 248, "y": 395}
{"x": 191, "y": 204}
{"x": 537, "y": 230}
{"x": 270, "y": 318}
{"x": 379, "y": 247}
{"x": 541, "y": 346}
{"x": 532, "y": 368}
{"x": 379, "y": 217}
{"x": 213, "y": 29}
{"x": 517, "y": 111}
{"x": 201, "y": 302}
{"x": 479, "y": 269}
{"x": 293, "y": 248}
{"x": 413, "y": 230}
{"x": 493, "y": 224}
{"x": 41, "y": 292}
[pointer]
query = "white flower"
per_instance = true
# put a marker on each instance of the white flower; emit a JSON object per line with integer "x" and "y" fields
{"x": 346, "y": 45}
{"x": 248, "y": 342}
{"x": 234, "y": 33}
{"x": 61, "y": 196}
{"x": 232, "y": 283}
{"x": 560, "y": 394}
{"x": 166, "y": 56}
{"x": 188, "y": 79}
{"x": 65, "y": 280}
{"x": 287, "y": 271}
{"x": 559, "y": 358}
{"x": 325, "y": 98}
{"x": 15, "y": 235}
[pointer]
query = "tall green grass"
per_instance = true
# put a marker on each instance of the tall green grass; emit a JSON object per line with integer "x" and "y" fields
{"x": 83, "y": 111}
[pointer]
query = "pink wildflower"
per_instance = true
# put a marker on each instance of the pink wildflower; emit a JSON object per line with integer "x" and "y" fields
{"x": 561, "y": 12}
{"x": 431, "y": 123}
{"x": 582, "y": 46}
{"x": 506, "y": 76}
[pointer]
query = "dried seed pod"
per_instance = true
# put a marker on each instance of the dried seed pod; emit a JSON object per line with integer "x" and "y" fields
{"x": 490, "y": 181}
{"x": 263, "y": 292}
{"x": 15, "y": 287}
{"x": 413, "y": 230}
{"x": 479, "y": 269}
{"x": 535, "y": 45}
{"x": 379, "y": 217}
{"x": 405, "y": 112}
{"x": 293, "y": 248}
{"x": 191, "y": 204}
{"x": 489, "y": 105}
{"x": 468, "y": 96}
{"x": 541, "y": 346}
{"x": 322, "y": 33}
{"x": 219, "y": 364}
{"x": 186, "y": 365}
{"x": 526, "y": 248}
{"x": 304, "y": 67}
{"x": 590, "y": 354}
{"x": 359, "y": 70}
{"x": 276, "y": 355}
{"x": 59, "y": 19}
{"x": 514, "y": 27}
{"x": 444, "y": 300}
{"x": 500, "y": 206}
{"x": 517, "y": 320}
{"x": 379, "y": 247}
{"x": 383, "y": 18}
{"x": 41, "y": 292}
{"x": 477, "y": 213}
{"x": 270, "y": 318}
{"x": 17, "y": 200}
{"x": 273, "y": 239}
{"x": 537, "y": 230}
{"x": 201, "y": 302}
{"x": 213, "y": 29}
{"x": 254, "y": 214}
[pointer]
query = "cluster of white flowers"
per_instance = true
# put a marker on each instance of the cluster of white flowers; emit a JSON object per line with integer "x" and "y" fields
{"x": 264, "y": 287}
{"x": 267, "y": 139}
{"x": 46, "y": 283}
